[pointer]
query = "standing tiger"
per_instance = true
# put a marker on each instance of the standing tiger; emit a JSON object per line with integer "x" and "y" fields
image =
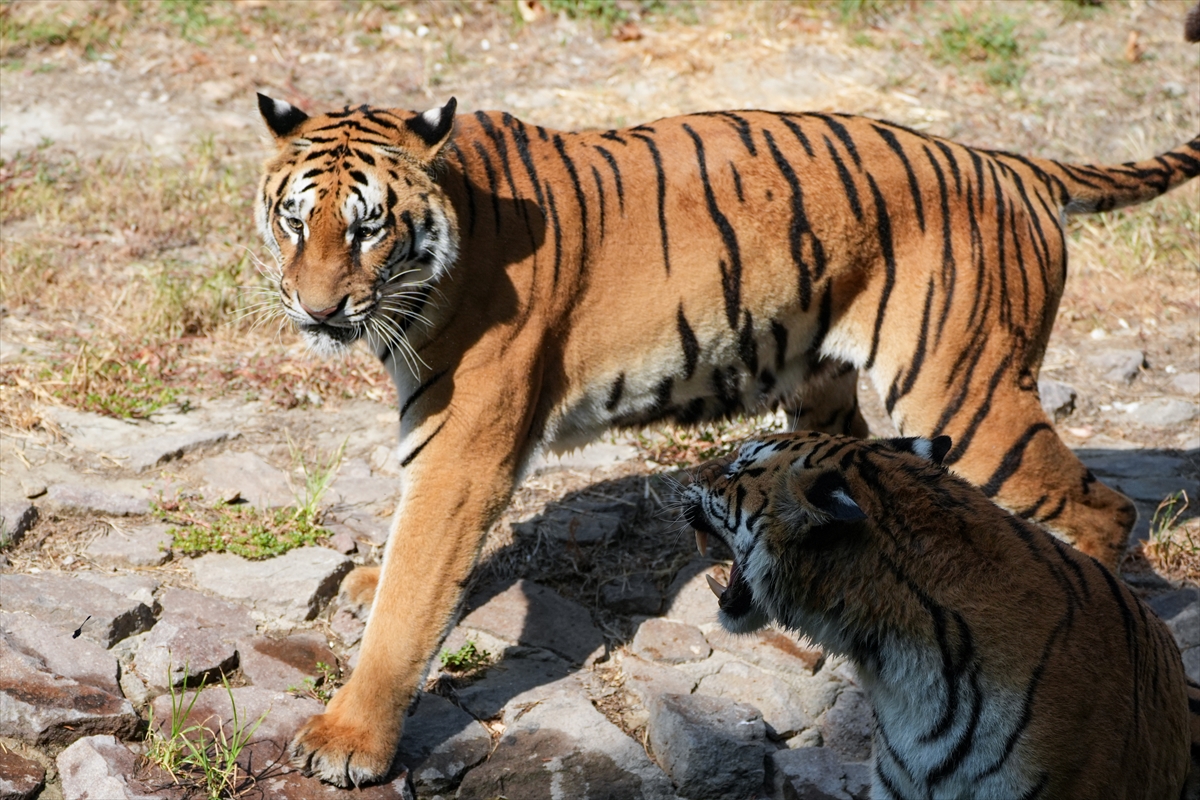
{"x": 527, "y": 287}
{"x": 1001, "y": 663}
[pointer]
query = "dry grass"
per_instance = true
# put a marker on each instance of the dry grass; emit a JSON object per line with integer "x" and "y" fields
{"x": 1173, "y": 548}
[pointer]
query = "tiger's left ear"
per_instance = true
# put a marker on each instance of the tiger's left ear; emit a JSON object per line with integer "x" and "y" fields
{"x": 433, "y": 128}
{"x": 934, "y": 449}
{"x": 281, "y": 117}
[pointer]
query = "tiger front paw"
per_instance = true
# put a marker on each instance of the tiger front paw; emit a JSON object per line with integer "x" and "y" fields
{"x": 345, "y": 751}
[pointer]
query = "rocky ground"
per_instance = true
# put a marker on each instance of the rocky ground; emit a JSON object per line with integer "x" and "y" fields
{"x": 605, "y": 672}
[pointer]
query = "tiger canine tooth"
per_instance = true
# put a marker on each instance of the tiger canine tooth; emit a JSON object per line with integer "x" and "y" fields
{"x": 717, "y": 587}
{"x": 702, "y": 542}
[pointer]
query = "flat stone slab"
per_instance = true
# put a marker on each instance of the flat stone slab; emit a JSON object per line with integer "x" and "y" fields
{"x": 158, "y": 450}
{"x": 283, "y": 663}
{"x": 356, "y": 485}
{"x": 846, "y": 729}
{"x": 556, "y": 745}
{"x": 670, "y": 642}
{"x": 77, "y": 498}
{"x": 20, "y": 778}
{"x": 1181, "y": 611}
{"x": 781, "y": 706}
{"x": 96, "y": 432}
{"x": 98, "y": 767}
{"x": 232, "y": 620}
{"x": 632, "y": 594}
{"x": 647, "y": 679}
{"x": 520, "y": 670}
{"x": 712, "y": 748}
{"x": 816, "y": 773}
{"x": 64, "y": 600}
{"x": 1118, "y": 365}
{"x": 530, "y": 614}
{"x": 441, "y": 742}
{"x": 770, "y": 649}
{"x": 1164, "y": 412}
{"x": 79, "y": 659}
{"x": 176, "y": 653}
{"x": 16, "y": 518}
{"x": 41, "y": 708}
{"x": 291, "y": 588}
{"x": 1057, "y": 398}
{"x": 248, "y": 476}
{"x": 581, "y": 520}
{"x": 146, "y": 546}
{"x": 688, "y": 598}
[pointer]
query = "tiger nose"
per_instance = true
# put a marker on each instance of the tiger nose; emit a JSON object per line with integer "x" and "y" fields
{"x": 320, "y": 316}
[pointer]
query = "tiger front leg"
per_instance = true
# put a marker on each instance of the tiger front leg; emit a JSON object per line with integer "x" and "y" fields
{"x": 828, "y": 403}
{"x": 454, "y": 490}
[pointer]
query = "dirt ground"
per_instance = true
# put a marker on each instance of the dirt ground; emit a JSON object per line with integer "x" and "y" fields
{"x": 130, "y": 142}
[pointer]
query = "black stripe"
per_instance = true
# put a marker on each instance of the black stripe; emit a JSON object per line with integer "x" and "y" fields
{"x": 612, "y": 137}
{"x": 420, "y": 390}
{"x": 799, "y": 228}
{"x": 557, "y": 231}
{"x": 913, "y": 187}
{"x": 600, "y": 194}
{"x": 964, "y": 441}
{"x": 491, "y": 177}
{"x": 953, "y": 162}
{"x": 780, "y": 333}
{"x": 408, "y": 459}
{"x": 737, "y": 182}
{"x": 847, "y": 180}
{"x": 899, "y": 390}
{"x": 662, "y": 394}
{"x": 824, "y": 317}
{"x": 747, "y": 346}
{"x": 691, "y": 347}
{"x": 662, "y": 198}
{"x": 612, "y": 164}
{"x": 521, "y": 140}
{"x": 731, "y": 278}
{"x": 742, "y": 126}
{"x": 468, "y": 188}
{"x": 844, "y": 136}
{"x": 799, "y": 134}
{"x": 614, "y": 393}
{"x": 883, "y": 229}
{"x": 574, "y": 175}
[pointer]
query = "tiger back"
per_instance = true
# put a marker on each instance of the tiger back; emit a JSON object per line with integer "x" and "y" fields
{"x": 1000, "y": 662}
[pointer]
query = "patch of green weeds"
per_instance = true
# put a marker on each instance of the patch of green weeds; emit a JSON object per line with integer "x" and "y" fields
{"x": 321, "y": 686}
{"x": 986, "y": 41}
{"x": 198, "y": 758}
{"x": 858, "y": 13}
{"x": 116, "y": 386}
{"x": 466, "y": 660}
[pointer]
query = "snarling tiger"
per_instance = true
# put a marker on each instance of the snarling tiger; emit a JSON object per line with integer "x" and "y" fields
{"x": 527, "y": 287}
{"x": 1000, "y": 662}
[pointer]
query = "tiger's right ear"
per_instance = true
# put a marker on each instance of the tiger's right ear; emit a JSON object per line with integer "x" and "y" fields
{"x": 433, "y": 128}
{"x": 934, "y": 449}
{"x": 281, "y": 117}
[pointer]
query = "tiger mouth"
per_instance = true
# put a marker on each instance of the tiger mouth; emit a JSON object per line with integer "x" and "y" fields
{"x": 734, "y": 598}
{"x": 342, "y": 334}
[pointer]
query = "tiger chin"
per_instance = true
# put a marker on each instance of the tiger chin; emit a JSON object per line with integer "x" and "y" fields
{"x": 1000, "y": 662}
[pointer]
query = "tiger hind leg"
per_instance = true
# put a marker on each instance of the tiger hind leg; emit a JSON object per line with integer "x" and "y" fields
{"x": 828, "y": 403}
{"x": 358, "y": 588}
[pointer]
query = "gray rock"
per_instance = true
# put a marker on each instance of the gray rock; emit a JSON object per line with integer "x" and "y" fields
{"x": 858, "y": 780}
{"x": 20, "y": 778}
{"x": 74, "y": 498}
{"x": 1153, "y": 489}
{"x": 81, "y": 659}
{"x": 15, "y": 521}
{"x": 96, "y": 432}
{"x": 816, "y": 773}
{"x": 711, "y": 747}
{"x": 360, "y": 525}
{"x": 64, "y": 601}
{"x": 645, "y": 679}
{"x": 1131, "y": 463}
{"x": 158, "y": 450}
{"x": 780, "y": 705}
{"x": 670, "y": 642}
{"x": 291, "y": 588}
{"x": 533, "y": 615}
{"x": 41, "y": 708}
{"x": 343, "y": 542}
{"x": 557, "y": 745}
{"x": 283, "y": 663}
{"x": 288, "y": 784}
{"x": 688, "y": 597}
{"x": 248, "y": 476}
{"x": 233, "y": 621}
{"x": 770, "y": 649}
{"x": 1191, "y": 663}
{"x": 148, "y": 546}
{"x": 519, "y": 670}
{"x": 1119, "y": 365}
{"x": 356, "y": 486}
{"x": 1187, "y": 382}
{"x": 176, "y": 653}
{"x": 132, "y": 586}
{"x": 1181, "y": 611}
{"x": 347, "y": 626}
{"x": 440, "y": 743}
{"x": 98, "y": 767}
{"x": 1164, "y": 412}
{"x": 1058, "y": 398}
{"x": 134, "y": 688}
{"x": 632, "y": 594}
{"x": 581, "y": 520}
{"x": 846, "y": 729}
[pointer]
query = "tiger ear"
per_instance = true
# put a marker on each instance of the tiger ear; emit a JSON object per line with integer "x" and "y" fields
{"x": 830, "y": 494}
{"x": 934, "y": 449}
{"x": 434, "y": 127}
{"x": 281, "y": 117}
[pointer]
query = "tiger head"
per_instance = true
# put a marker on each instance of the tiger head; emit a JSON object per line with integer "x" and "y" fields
{"x": 797, "y": 513}
{"x": 350, "y": 208}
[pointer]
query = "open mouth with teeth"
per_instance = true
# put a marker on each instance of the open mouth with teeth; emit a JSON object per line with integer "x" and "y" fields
{"x": 735, "y": 599}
